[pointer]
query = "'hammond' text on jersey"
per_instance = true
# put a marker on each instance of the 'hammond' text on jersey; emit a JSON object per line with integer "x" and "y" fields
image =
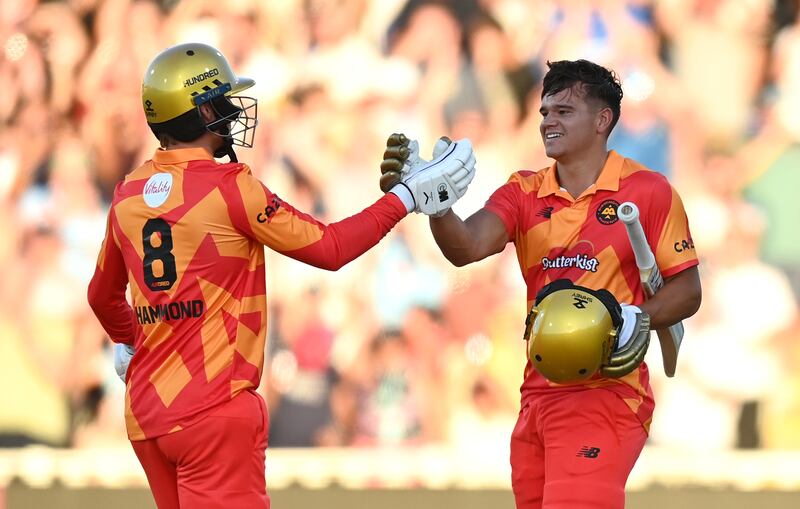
{"x": 171, "y": 311}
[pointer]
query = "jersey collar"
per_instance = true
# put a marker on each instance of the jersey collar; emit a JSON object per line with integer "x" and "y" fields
{"x": 607, "y": 181}
{"x": 181, "y": 155}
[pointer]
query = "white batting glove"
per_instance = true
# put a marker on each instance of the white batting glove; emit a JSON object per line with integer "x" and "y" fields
{"x": 628, "y": 325}
{"x": 434, "y": 186}
{"x": 122, "y": 358}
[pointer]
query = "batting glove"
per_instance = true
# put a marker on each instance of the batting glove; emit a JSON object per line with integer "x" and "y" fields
{"x": 122, "y": 358}
{"x": 430, "y": 187}
{"x": 633, "y": 338}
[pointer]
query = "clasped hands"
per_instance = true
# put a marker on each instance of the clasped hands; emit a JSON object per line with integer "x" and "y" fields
{"x": 430, "y": 187}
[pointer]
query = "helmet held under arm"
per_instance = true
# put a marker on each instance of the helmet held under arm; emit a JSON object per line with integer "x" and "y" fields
{"x": 571, "y": 331}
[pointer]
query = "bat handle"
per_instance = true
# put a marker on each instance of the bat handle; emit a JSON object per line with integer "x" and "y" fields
{"x": 628, "y": 213}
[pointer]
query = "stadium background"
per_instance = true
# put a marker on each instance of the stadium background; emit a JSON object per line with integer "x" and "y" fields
{"x": 395, "y": 380}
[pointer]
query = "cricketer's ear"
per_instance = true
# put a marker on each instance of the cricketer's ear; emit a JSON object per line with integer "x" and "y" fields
{"x": 604, "y": 118}
{"x": 207, "y": 112}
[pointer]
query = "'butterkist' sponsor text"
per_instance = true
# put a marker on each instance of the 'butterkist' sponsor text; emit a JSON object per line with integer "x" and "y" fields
{"x": 579, "y": 261}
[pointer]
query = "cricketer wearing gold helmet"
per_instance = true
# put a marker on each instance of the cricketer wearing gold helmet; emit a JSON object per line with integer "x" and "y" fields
{"x": 186, "y": 233}
{"x": 586, "y": 402}
{"x": 183, "y": 78}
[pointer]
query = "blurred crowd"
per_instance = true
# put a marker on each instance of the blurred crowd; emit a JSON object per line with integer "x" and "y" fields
{"x": 399, "y": 347}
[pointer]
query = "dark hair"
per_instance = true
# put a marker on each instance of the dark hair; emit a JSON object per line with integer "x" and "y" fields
{"x": 598, "y": 82}
{"x": 186, "y": 127}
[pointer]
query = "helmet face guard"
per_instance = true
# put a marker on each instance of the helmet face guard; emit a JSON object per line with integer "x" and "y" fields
{"x": 237, "y": 118}
{"x": 571, "y": 331}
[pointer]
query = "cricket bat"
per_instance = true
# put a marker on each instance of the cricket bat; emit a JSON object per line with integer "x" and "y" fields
{"x": 670, "y": 338}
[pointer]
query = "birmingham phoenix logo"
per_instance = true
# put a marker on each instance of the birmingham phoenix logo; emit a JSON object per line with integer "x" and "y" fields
{"x": 607, "y": 212}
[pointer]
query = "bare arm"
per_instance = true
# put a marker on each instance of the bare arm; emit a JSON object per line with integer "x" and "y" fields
{"x": 677, "y": 300}
{"x": 462, "y": 242}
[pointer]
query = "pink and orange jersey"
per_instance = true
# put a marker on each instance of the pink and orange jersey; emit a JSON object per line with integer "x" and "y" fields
{"x": 557, "y": 236}
{"x": 186, "y": 234}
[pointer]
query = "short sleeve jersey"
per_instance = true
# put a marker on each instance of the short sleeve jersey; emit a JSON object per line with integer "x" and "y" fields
{"x": 186, "y": 234}
{"x": 581, "y": 239}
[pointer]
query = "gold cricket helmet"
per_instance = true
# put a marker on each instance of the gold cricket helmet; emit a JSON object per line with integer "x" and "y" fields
{"x": 571, "y": 331}
{"x": 181, "y": 78}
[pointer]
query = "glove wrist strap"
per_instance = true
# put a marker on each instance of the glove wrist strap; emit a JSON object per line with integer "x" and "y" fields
{"x": 404, "y": 193}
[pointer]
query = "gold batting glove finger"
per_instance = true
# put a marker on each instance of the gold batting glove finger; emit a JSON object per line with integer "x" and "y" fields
{"x": 400, "y": 152}
{"x": 397, "y": 139}
{"x": 394, "y": 159}
{"x": 389, "y": 179}
{"x": 392, "y": 164}
{"x": 627, "y": 359}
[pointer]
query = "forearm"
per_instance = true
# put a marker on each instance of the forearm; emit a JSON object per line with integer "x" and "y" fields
{"x": 346, "y": 240}
{"x": 453, "y": 238}
{"x": 677, "y": 300}
{"x": 462, "y": 242}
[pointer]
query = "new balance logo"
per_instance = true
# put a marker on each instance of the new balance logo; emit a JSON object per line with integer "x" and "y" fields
{"x": 588, "y": 452}
{"x": 545, "y": 212}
